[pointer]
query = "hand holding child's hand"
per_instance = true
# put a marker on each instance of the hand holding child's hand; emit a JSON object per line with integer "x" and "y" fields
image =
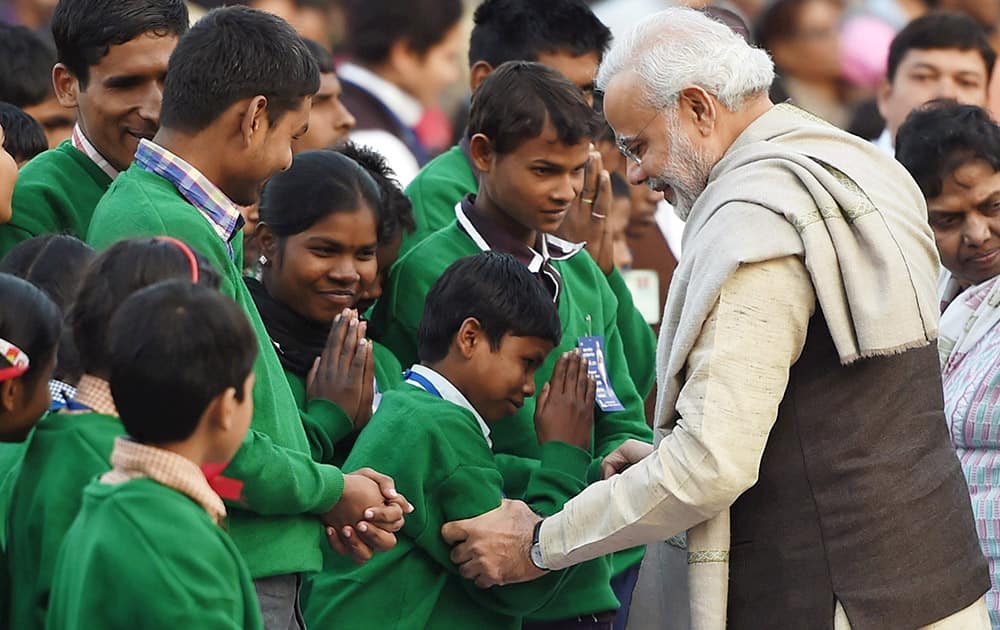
{"x": 368, "y": 514}
{"x": 565, "y": 409}
{"x": 339, "y": 374}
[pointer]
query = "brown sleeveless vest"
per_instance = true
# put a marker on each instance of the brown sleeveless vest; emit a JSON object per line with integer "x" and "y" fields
{"x": 860, "y": 499}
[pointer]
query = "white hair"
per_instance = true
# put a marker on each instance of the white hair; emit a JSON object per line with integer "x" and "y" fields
{"x": 680, "y": 47}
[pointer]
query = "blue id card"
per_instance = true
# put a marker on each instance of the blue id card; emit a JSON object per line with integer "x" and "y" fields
{"x": 593, "y": 350}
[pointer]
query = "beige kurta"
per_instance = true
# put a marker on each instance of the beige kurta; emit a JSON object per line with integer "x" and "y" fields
{"x": 735, "y": 379}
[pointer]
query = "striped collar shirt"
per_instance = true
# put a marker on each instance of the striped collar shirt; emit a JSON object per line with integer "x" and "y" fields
{"x": 221, "y": 212}
{"x": 84, "y": 146}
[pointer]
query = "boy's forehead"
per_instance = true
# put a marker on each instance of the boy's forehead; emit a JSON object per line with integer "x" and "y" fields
{"x": 526, "y": 345}
{"x": 580, "y": 69}
{"x": 548, "y": 147}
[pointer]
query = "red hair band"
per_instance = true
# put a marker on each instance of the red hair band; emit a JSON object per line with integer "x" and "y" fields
{"x": 188, "y": 253}
{"x": 17, "y": 359}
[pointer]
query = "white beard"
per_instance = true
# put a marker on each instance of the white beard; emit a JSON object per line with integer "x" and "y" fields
{"x": 687, "y": 171}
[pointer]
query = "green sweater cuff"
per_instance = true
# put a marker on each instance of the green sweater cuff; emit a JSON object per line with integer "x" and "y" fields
{"x": 567, "y": 459}
{"x": 331, "y": 417}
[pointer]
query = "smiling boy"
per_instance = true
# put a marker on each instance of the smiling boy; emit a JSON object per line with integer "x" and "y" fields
{"x": 112, "y": 59}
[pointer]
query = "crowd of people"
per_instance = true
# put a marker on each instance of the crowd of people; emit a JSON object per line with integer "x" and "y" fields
{"x": 292, "y": 336}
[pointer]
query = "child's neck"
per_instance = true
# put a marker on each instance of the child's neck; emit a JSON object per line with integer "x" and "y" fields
{"x": 452, "y": 370}
{"x": 486, "y": 205}
{"x": 188, "y": 449}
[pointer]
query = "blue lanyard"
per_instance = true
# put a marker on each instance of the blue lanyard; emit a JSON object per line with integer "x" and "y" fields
{"x": 422, "y": 382}
{"x": 72, "y": 405}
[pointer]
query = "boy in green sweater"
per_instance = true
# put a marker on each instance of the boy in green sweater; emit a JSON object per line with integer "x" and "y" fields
{"x": 566, "y": 36}
{"x": 237, "y": 93}
{"x": 530, "y": 131}
{"x": 487, "y": 326}
{"x": 71, "y": 447}
{"x": 148, "y": 548}
{"x": 112, "y": 57}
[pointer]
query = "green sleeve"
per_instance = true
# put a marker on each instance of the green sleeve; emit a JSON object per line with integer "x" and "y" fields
{"x": 434, "y": 193}
{"x": 452, "y": 497}
{"x": 36, "y": 206}
{"x": 326, "y": 425}
{"x": 613, "y": 428}
{"x": 388, "y": 370}
{"x": 396, "y": 317}
{"x": 637, "y": 337}
{"x": 561, "y": 475}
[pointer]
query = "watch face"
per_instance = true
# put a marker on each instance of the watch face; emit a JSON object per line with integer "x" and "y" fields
{"x": 536, "y": 556}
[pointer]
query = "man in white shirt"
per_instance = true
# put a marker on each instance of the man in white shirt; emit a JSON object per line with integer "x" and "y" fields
{"x": 940, "y": 55}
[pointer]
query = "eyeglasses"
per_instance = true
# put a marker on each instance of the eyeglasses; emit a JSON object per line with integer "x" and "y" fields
{"x": 624, "y": 147}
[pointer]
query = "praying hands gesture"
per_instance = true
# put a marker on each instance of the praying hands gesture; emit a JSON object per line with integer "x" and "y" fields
{"x": 367, "y": 516}
{"x": 587, "y": 219}
{"x": 565, "y": 409}
{"x": 345, "y": 373}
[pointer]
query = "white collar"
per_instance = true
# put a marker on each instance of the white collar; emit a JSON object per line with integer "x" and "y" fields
{"x": 564, "y": 249}
{"x": 450, "y": 393}
{"x": 82, "y": 144}
{"x": 885, "y": 143}
{"x": 405, "y": 107}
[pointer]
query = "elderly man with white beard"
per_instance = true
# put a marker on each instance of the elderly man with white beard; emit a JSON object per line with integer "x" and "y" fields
{"x": 802, "y": 446}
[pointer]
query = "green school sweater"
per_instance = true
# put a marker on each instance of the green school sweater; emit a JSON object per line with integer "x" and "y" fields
{"x": 143, "y": 555}
{"x": 66, "y": 452}
{"x": 274, "y": 525}
{"x": 56, "y": 193}
{"x": 396, "y": 320}
{"x": 443, "y": 465}
{"x": 329, "y": 432}
{"x": 10, "y": 464}
{"x": 446, "y": 180}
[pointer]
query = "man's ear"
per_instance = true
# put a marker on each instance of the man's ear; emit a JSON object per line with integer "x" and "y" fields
{"x": 403, "y": 57}
{"x": 66, "y": 86}
{"x": 470, "y": 335}
{"x": 478, "y": 73}
{"x": 700, "y": 108}
{"x": 482, "y": 153}
{"x": 253, "y": 124}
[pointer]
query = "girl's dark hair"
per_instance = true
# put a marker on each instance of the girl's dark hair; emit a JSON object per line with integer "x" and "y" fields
{"x": 23, "y": 136}
{"x": 55, "y": 263}
{"x": 30, "y": 320}
{"x": 118, "y": 272}
{"x": 396, "y": 209}
{"x": 318, "y": 184}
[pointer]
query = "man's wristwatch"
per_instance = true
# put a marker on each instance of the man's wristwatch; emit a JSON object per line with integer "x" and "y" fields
{"x": 536, "y": 548}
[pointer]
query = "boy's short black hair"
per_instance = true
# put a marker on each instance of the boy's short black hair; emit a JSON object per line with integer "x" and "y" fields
{"x": 116, "y": 273}
{"x": 175, "y": 347}
{"x": 374, "y": 26}
{"x": 23, "y": 138}
{"x": 496, "y": 290}
{"x": 55, "y": 263}
{"x": 84, "y": 30}
{"x": 940, "y": 30}
{"x": 396, "y": 212}
{"x": 516, "y": 100}
{"x": 231, "y": 54}
{"x": 521, "y": 30}
{"x": 324, "y": 60}
{"x": 26, "y": 62}
{"x": 940, "y": 137}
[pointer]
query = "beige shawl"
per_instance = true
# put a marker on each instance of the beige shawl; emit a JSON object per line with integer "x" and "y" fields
{"x": 858, "y": 221}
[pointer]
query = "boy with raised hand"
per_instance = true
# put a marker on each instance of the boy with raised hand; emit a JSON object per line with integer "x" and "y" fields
{"x": 148, "y": 547}
{"x": 112, "y": 57}
{"x": 238, "y": 92}
{"x": 530, "y": 131}
{"x": 487, "y": 326}
{"x": 566, "y": 36}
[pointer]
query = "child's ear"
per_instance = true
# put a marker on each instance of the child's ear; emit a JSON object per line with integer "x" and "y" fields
{"x": 66, "y": 86}
{"x": 470, "y": 334}
{"x": 220, "y": 411}
{"x": 10, "y": 392}
{"x": 268, "y": 241}
{"x": 482, "y": 153}
{"x": 478, "y": 73}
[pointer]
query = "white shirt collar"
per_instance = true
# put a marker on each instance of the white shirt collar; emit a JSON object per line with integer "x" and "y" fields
{"x": 405, "y": 107}
{"x": 450, "y": 393}
{"x": 564, "y": 249}
{"x": 82, "y": 144}
{"x": 885, "y": 143}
